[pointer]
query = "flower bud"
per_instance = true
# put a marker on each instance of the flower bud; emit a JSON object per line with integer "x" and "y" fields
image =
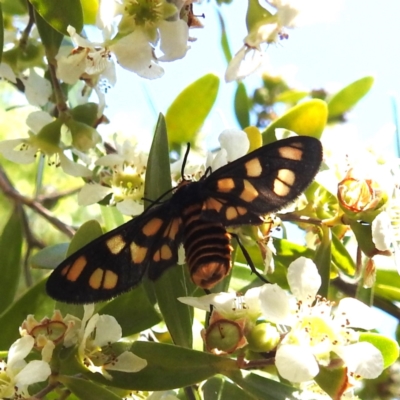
{"x": 263, "y": 338}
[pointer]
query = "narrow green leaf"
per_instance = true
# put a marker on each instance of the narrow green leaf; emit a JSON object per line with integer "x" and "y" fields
{"x": 111, "y": 217}
{"x": 187, "y": 113}
{"x": 291, "y": 96}
{"x": 10, "y": 257}
{"x": 50, "y": 256}
{"x": 388, "y": 347}
{"x": 305, "y": 119}
{"x": 387, "y": 284}
{"x": 349, "y": 96}
{"x": 260, "y": 387}
{"x": 224, "y": 38}
{"x": 50, "y": 37}
{"x": 86, "y": 389}
{"x": 14, "y": 7}
{"x": 168, "y": 367}
{"x": 171, "y": 285}
{"x": 322, "y": 260}
{"x": 34, "y": 301}
{"x": 1, "y": 32}
{"x": 332, "y": 380}
{"x": 218, "y": 387}
{"x": 133, "y": 319}
{"x": 242, "y": 109}
{"x": 61, "y": 13}
{"x": 341, "y": 257}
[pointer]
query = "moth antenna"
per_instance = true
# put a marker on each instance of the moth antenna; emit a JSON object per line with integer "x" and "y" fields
{"x": 184, "y": 161}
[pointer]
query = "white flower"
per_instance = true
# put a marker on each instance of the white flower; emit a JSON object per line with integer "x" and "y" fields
{"x": 37, "y": 89}
{"x": 382, "y": 234}
{"x": 16, "y": 375}
{"x": 316, "y": 334}
{"x": 24, "y": 151}
{"x": 230, "y": 305}
{"x": 126, "y": 184}
{"x": 234, "y": 144}
{"x": 98, "y": 331}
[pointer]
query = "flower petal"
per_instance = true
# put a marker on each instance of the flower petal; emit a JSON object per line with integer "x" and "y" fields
{"x": 382, "y": 234}
{"x": 295, "y": 363}
{"x": 37, "y": 89}
{"x": 362, "y": 359}
{"x": 19, "y": 350}
{"x": 304, "y": 279}
{"x": 34, "y": 371}
{"x": 174, "y": 37}
{"x": 92, "y": 193}
{"x": 275, "y": 304}
{"x": 235, "y": 142}
{"x": 73, "y": 168}
{"x": 244, "y": 63}
{"x": 130, "y": 207}
{"x": 13, "y": 151}
{"x": 127, "y": 362}
{"x": 353, "y": 313}
{"x": 37, "y": 120}
{"x": 107, "y": 330}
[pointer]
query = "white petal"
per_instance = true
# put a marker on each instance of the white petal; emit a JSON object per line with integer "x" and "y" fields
{"x": 127, "y": 362}
{"x": 382, "y": 234}
{"x": 363, "y": 359}
{"x": 152, "y": 71}
{"x": 235, "y": 142}
{"x": 11, "y": 151}
{"x": 174, "y": 37}
{"x": 275, "y": 304}
{"x": 78, "y": 40}
{"x": 130, "y": 207}
{"x": 304, "y": 279}
{"x": 92, "y": 193}
{"x": 34, "y": 371}
{"x": 220, "y": 159}
{"x": 133, "y": 51}
{"x": 295, "y": 363}
{"x": 110, "y": 160}
{"x": 70, "y": 69}
{"x": 37, "y": 120}
{"x": 353, "y": 313}
{"x": 252, "y": 301}
{"x": 205, "y": 302}
{"x": 73, "y": 168}
{"x": 107, "y": 330}
{"x": 37, "y": 89}
{"x": 244, "y": 63}
{"x": 19, "y": 350}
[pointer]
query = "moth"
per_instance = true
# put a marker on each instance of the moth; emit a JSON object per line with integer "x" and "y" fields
{"x": 197, "y": 214}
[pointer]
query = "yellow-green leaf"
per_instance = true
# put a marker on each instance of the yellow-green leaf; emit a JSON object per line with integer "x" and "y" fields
{"x": 187, "y": 113}
{"x": 305, "y": 119}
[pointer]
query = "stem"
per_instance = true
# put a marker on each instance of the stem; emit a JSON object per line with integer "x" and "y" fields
{"x": 16, "y": 197}
{"x": 25, "y": 34}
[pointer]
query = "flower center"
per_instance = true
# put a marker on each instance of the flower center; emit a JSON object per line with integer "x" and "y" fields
{"x": 144, "y": 12}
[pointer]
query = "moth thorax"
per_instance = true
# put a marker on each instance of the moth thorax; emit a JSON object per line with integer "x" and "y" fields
{"x": 207, "y": 247}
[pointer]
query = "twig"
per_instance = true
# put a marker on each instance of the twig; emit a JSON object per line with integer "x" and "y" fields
{"x": 9, "y": 191}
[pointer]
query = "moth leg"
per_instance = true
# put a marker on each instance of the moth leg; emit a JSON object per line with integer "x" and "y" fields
{"x": 248, "y": 259}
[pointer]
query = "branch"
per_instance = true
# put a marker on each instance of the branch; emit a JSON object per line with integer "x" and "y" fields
{"x": 16, "y": 197}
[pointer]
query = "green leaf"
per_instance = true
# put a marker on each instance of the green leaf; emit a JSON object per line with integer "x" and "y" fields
{"x": 388, "y": 347}
{"x": 171, "y": 285}
{"x": 89, "y": 231}
{"x": 291, "y": 96}
{"x": 34, "y": 301}
{"x": 168, "y": 367}
{"x": 218, "y": 387}
{"x": 242, "y": 110}
{"x": 1, "y": 32}
{"x": 111, "y": 217}
{"x": 332, "y": 380}
{"x": 10, "y": 256}
{"x": 387, "y": 284}
{"x": 261, "y": 387}
{"x": 90, "y": 8}
{"x": 305, "y": 119}
{"x": 50, "y": 256}
{"x": 349, "y": 96}
{"x": 61, "y": 13}
{"x": 87, "y": 390}
{"x": 224, "y": 38}
{"x": 50, "y": 37}
{"x": 187, "y": 113}
{"x": 323, "y": 260}
{"x": 132, "y": 319}
{"x": 341, "y": 257}
{"x": 14, "y": 7}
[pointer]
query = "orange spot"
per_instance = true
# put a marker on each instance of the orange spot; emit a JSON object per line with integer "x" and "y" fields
{"x": 76, "y": 269}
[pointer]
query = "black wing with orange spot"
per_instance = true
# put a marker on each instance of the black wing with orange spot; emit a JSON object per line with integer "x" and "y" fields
{"x": 116, "y": 261}
{"x": 262, "y": 181}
